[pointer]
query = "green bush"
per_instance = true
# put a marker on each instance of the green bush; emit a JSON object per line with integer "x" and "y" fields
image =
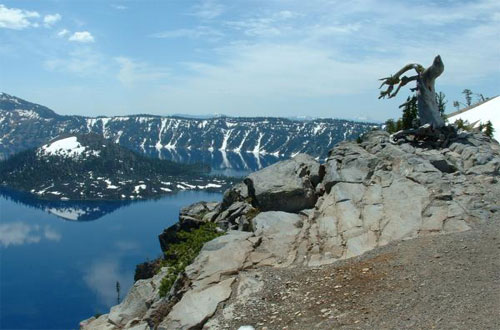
{"x": 463, "y": 124}
{"x": 181, "y": 254}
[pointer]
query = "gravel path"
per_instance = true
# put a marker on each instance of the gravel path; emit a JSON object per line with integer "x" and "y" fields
{"x": 436, "y": 282}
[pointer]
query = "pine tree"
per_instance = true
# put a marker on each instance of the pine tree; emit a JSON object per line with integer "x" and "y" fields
{"x": 390, "y": 126}
{"x": 468, "y": 96}
{"x": 118, "y": 292}
{"x": 488, "y": 129}
{"x": 441, "y": 101}
{"x": 410, "y": 114}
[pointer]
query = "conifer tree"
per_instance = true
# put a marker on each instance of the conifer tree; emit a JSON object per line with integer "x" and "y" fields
{"x": 488, "y": 129}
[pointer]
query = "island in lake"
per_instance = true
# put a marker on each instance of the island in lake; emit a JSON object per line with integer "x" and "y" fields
{"x": 89, "y": 167}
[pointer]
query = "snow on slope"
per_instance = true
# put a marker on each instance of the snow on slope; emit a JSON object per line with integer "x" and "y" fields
{"x": 68, "y": 147}
{"x": 489, "y": 110}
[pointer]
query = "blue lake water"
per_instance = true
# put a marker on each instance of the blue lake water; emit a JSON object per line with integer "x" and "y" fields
{"x": 59, "y": 263}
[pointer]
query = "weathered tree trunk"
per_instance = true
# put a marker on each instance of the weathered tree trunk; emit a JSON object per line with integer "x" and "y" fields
{"x": 428, "y": 111}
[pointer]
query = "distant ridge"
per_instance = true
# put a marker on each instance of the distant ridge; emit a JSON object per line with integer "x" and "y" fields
{"x": 25, "y": 125}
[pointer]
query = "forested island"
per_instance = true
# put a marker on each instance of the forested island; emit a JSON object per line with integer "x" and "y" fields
{"x": 89, "y": 167}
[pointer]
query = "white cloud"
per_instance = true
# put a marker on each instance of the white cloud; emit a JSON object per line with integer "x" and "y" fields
{"x": 195, "y": 33}
{"x": 50, "y": 20}
{"x": 102, "y": 276}
{"x": 83, "y": 36}
{"x": 51, "y": 234}
{"x": 19, "y": 233}
{"x": 132, "y": 72}
{"x": 62, "y": 33}
{"x": 208, "y": 9}
{"x": 17, "y": 19}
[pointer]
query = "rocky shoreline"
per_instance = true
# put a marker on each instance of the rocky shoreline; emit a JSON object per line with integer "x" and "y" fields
{"x": 299, "y": 214}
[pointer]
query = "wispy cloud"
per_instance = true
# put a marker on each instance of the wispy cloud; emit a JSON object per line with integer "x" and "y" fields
{"x": 81, "y": 61}
{"x": 194, "y": 33}
{"x": 127, "y": 245}
{"x": 83, "y": 36}
{"x": 132, "y": 72}
{"x": 50, "y": 20}
{"x": 208, "y": 9}
{"x": 119, "y": 7}
{"x": 265, "y": 26}
{"x": 269, "y": 70}
{"x": 20, "y": 233}
{"x": 63, "y": 33}
{"x": 17, "y": 19}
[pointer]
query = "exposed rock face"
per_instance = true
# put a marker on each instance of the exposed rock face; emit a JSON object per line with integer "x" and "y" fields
{"x": 301, "y": 213}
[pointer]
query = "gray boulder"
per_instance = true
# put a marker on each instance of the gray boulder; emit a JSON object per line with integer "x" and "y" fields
{"x": 287, "y": 186}
{"x": 278, "y": 231}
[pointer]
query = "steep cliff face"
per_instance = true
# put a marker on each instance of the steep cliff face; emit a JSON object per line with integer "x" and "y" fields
{"x": 301, "y": 214}
{"x": 25, "y": 125}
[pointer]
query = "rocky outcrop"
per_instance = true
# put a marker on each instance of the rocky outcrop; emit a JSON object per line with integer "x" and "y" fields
{"x": 300, "y": 213}
{"x": 190, "y": 217}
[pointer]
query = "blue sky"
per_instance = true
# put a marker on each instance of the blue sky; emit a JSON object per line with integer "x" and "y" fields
{"x": 241, "y": 58}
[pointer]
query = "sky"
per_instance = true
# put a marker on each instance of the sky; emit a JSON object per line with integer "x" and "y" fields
{"x": 315, "y": 58}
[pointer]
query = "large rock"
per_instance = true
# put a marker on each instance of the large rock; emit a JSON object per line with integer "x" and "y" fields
{"x": 222, "y": 256}
{"x": 196, "y": 306}
{"x": 287, "y": 186}
{"x": 278, "y": 231}
{"x": 237, "y": 216}
{"x": 196, "y": 212}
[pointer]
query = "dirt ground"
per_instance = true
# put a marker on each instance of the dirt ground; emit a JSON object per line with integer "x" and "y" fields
{"x": 436, "y": 282}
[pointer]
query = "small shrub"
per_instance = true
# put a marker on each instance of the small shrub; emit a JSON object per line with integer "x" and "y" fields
{"x": 181, "y": 254}
{"x": 487, "y": 129}
{"x": 463, "y": 124}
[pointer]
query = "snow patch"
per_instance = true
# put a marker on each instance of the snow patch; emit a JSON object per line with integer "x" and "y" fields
{"x": 30, "y": 114}
{"x": 210, "y": 185}
{"x": 68, "y": 147}
{"x": 68, "y": 214}
{"x": 489, "y": 110}
{"x": 138, "y": 188}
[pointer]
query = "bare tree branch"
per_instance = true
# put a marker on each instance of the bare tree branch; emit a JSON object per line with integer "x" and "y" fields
{"x": 395, "y": 79}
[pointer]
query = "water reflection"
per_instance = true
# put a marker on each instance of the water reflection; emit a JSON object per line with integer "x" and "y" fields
{"x": 67, "y": 210}
{"x": 77, "y": 263}
{"x": 20, "y": 233}
{"x": 228, "y": 163}
{"x": 232, "y": 164}
{"x": 101, "y": 277}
